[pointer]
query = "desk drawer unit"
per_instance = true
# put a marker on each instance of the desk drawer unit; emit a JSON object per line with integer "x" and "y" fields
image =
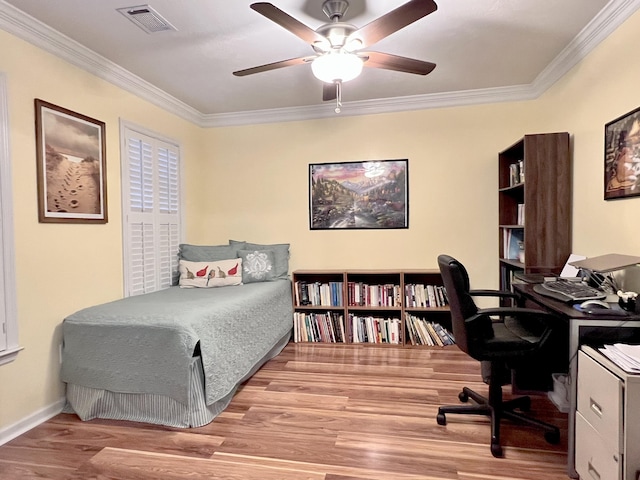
{"x": 595, "y": 460}
{"x": 600, "y": 395}
{"x": 607, "y": 420}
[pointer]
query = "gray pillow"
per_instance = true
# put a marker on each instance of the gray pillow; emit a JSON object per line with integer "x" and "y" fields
{"x": 207, "y": 253}
{"x": 280, "y": 251}
{"x": 257, "y": 265}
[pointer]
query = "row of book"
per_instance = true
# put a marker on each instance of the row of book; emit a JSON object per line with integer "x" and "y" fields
{"x": 423, "y": 332}
{"x": 374, "y": 330}
{"x": 360, "y": 294}
{"x": 318, "y": 327}
{"x": 330, "y": 328}
{"x": 425, "y": 296}
{"x": 327, "y": 294}
{"x": 516, "y": 173}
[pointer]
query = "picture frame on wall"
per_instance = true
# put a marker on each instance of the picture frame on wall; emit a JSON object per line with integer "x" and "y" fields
{"x": 622, "y": 156}
{"x": 71, "y": 166}
{"x": 372, "y": 194}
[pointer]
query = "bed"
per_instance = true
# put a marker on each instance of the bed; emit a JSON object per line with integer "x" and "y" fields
{"x": 173, "y": 357}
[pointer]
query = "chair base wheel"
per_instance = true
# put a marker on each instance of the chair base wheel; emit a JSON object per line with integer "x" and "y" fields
{"x": 496, "y": 450}
{"x": 463, "y": 397}
{"x": 441, "y": 419}
{"x": 552, "y": 437}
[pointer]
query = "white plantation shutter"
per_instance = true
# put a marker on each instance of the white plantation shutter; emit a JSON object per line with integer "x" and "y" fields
{"x": 151, "y": 199}
{"x": 169, "y": 208}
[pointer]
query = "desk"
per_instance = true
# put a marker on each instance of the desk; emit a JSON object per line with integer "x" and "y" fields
{"x": 583, "y": 329}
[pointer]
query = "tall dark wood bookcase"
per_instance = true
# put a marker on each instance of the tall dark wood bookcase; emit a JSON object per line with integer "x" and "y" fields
{"x": 534, "y": 202}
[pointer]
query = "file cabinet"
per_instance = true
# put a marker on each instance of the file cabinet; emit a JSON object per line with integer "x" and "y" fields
{"x": 607, "y": 419}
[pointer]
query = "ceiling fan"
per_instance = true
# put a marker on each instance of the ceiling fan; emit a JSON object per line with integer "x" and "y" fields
{"x": 338, "y": 46}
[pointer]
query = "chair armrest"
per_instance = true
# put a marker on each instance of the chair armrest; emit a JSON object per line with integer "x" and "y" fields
{"x": 492, "y": 293}
{"x": 543, "y": 316}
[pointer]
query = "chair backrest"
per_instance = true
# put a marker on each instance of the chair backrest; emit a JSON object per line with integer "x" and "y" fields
{"x": 469, "y": 337}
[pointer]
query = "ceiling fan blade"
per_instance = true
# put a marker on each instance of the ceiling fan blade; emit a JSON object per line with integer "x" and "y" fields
{"x": 274, "y": 66}
{"x": 286, "y": 21}
{"x": 329, "y": 92}
{"x": 397, "y": 63}
{"x": 392, "y": 22}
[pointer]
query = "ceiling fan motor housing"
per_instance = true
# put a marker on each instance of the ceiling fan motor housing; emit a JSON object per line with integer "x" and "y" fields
{"x": 335, "y": 9}
{"x": 337, "y": 34}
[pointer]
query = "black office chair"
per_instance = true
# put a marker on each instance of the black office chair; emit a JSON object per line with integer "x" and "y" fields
{"x": 516, "y": 335}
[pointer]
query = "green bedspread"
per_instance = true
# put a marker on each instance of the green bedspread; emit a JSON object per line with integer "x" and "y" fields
{"x": 144, "y": 344}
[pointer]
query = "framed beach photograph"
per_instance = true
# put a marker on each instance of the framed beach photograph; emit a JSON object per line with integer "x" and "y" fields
{"x": 622, "y": 156}
{"x": 71, "y": 156}
{"x": 359, "y": 195}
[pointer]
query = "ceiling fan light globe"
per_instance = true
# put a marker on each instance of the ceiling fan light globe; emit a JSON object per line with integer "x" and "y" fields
{"x": 337, "y": 67}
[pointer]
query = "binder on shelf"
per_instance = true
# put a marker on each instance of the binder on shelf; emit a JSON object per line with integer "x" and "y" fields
{"x": 520, "y": 214}
{"x": 515, "y": 244}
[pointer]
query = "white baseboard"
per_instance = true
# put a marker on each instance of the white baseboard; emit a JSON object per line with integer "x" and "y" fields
{"x": 12, "y": 431}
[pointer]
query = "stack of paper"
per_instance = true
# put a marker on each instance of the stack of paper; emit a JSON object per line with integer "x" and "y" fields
{"x": 625, "y": 356}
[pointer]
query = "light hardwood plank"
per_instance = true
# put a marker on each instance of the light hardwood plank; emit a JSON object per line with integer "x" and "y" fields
{"x": 316, "y": 412}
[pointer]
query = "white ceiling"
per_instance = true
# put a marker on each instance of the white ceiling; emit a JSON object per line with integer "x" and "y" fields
{"x": 485, "y": 50}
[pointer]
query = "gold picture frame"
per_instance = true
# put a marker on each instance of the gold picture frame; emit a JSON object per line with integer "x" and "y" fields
{"x": 71, "y": 166}
{"x": 622, "y": 156}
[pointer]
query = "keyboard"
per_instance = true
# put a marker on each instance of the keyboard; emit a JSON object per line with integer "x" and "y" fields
{"x": 572, "y": 291}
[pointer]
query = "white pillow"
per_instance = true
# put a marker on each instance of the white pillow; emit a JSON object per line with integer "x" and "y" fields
{"x": 210, "y": 274}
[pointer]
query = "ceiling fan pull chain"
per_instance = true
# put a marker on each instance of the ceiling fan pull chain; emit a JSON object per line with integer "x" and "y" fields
{"x": 338, "y": 96}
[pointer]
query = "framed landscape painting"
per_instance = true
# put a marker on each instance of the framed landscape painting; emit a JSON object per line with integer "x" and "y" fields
{"x": 622, "y": 156}
{"x": 71, "y": 152}
{"x": 359, "y": 195}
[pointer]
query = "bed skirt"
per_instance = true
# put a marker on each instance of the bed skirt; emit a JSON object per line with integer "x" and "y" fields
{"x": 89, "y": 403}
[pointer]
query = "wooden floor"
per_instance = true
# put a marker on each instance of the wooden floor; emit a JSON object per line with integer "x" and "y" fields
{"x": 315, "y": 412}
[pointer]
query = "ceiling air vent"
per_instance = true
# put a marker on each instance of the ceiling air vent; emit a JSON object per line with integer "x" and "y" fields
{"x": 147, "y": 18}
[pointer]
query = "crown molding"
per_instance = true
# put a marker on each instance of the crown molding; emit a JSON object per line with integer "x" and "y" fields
{"x": 42, "y": 36}
{"x": 600, "y": 27}
{"x": 372, "y": 107}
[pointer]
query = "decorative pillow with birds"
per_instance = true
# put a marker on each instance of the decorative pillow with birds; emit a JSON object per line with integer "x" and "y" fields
{"x": 210, "y": 274}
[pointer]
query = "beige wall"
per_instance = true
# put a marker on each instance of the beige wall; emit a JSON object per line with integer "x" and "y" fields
{"x": 252, "y": 183}
{"x": 262, "y": 173}
{"x": 598, "y": 90}
{"x": 62, "y": 267}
